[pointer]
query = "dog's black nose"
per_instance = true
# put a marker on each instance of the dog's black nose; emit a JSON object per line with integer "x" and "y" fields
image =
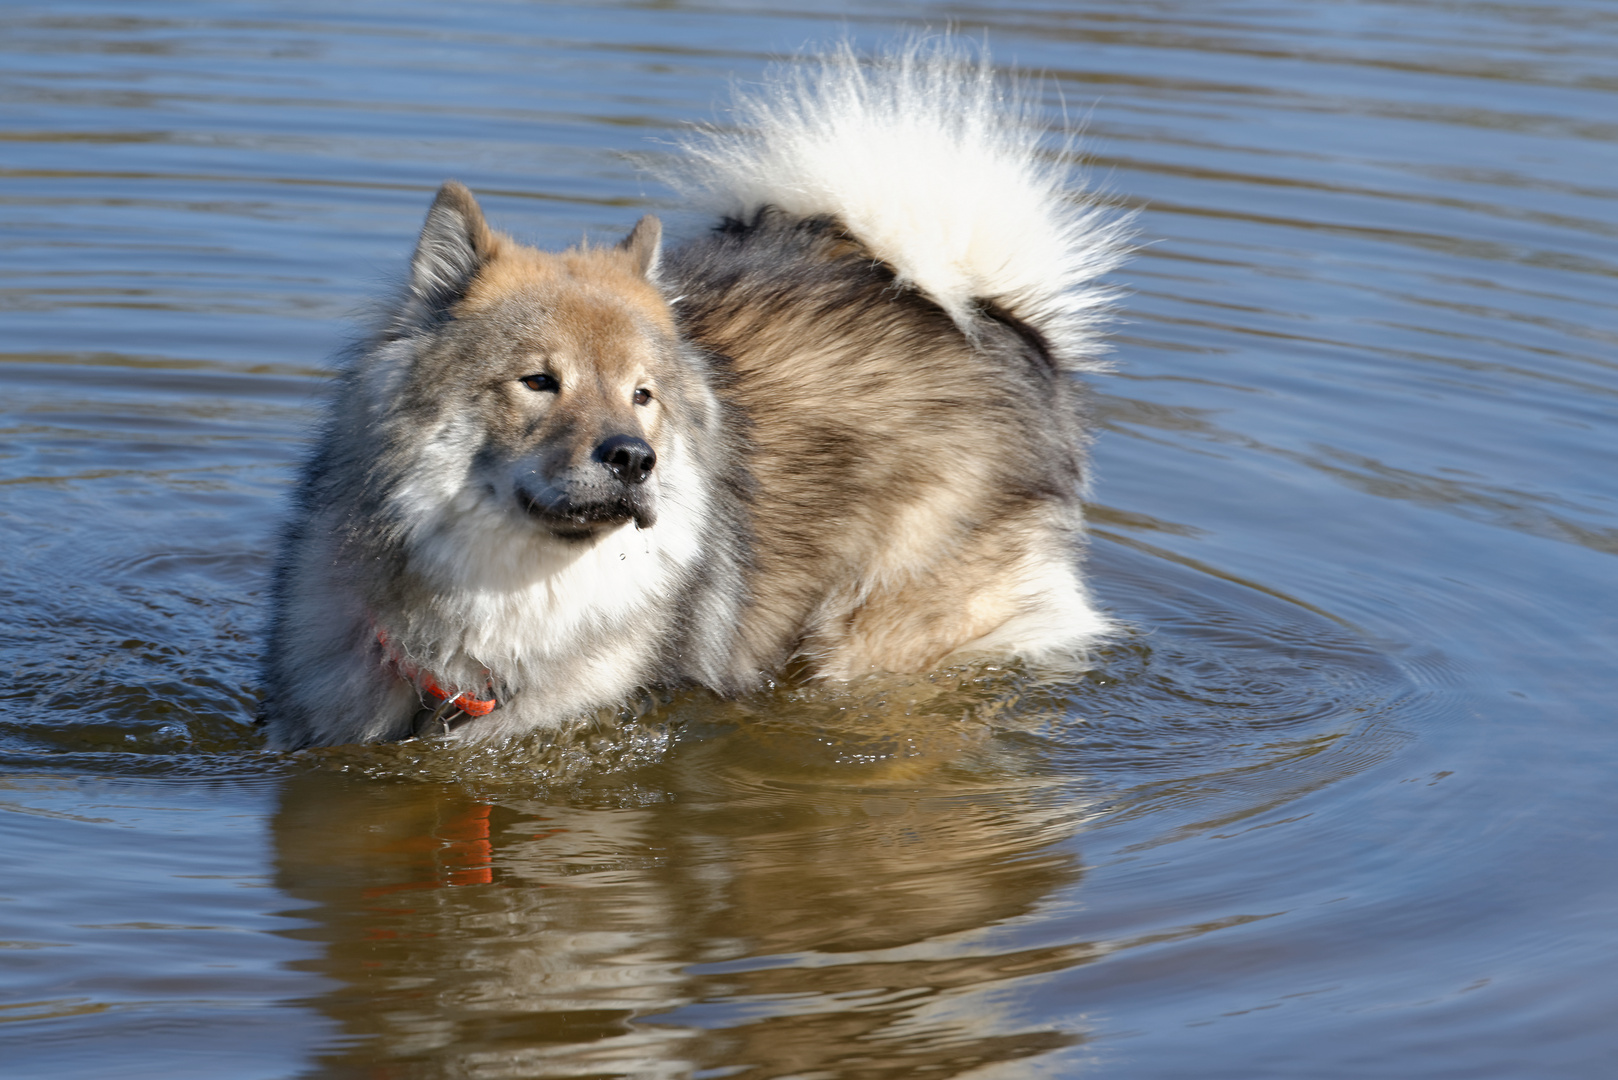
{"x": 630, "y": 458}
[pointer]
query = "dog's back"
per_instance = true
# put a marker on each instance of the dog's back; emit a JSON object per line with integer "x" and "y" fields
{"x": 902, "y": 285}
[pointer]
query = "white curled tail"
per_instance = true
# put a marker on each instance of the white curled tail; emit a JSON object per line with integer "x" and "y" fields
{"x": 940, "y": 170}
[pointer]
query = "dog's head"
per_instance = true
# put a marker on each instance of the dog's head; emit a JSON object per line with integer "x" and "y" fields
{"x": 534, "y": 391}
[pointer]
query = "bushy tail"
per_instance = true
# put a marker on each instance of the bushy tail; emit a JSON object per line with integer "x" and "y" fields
{"x": 938, "y": 168}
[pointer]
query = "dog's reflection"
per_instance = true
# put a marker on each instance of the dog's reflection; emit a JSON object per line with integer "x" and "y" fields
{"x": 707, "y": 914}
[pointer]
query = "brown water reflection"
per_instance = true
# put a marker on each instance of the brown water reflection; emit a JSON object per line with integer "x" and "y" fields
{"x": 777, "y": 923}
{"x": 838, "y": 881}
{"x": 786, "y": 886}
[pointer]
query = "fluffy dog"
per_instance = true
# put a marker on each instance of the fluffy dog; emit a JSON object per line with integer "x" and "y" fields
{"x": 839, "y": 433}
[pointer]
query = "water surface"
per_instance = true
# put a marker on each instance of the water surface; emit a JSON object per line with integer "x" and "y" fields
{"x": 1338, "y": 804}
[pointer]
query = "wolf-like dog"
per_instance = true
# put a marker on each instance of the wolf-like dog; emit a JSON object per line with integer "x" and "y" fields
{"x": 837, "y": 434}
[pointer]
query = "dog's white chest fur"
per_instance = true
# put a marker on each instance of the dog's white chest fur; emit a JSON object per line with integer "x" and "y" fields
{"x": 531, "y": 607}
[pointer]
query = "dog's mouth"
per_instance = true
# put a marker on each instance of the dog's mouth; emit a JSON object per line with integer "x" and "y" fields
{"x": 579, "y": 522}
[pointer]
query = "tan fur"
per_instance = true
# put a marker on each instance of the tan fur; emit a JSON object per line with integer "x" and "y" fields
{"x": 594, "y": 337}
{"x": 515, "y": 269}
{"x": 896, "y": 554}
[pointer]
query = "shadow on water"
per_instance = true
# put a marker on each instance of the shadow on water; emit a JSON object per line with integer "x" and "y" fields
{"x": 793, "y": 933}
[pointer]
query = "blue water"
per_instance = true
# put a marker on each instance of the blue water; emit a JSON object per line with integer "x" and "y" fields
{"x": 1339, "y": 804}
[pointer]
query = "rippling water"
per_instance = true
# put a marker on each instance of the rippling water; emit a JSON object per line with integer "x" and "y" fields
{"x": 1340, "y": 804}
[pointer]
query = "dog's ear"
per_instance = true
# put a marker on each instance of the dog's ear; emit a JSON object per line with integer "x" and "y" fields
{"x": 454, "y": 243}
{"x": 644, "y": 244}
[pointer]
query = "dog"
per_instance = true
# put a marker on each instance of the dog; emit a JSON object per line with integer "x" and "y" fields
{"x": 839, "y": 433}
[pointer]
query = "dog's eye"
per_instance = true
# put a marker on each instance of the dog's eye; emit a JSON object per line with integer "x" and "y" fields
{"x": 542, "y": 383}
{"x": 642, "y": 396}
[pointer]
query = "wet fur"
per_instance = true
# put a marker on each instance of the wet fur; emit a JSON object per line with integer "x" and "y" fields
{"x": 856, "y": 470}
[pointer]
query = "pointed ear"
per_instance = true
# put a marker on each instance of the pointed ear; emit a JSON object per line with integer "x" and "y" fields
{"x": 454, "y": 243}
{"x": 645, "y": 244}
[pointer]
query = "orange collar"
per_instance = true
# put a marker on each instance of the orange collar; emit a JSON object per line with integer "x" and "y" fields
{"x": 445, "y": 709}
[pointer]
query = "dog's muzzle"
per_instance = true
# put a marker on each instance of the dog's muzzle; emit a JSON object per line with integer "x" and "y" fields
{"x": 597, "y": 496}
